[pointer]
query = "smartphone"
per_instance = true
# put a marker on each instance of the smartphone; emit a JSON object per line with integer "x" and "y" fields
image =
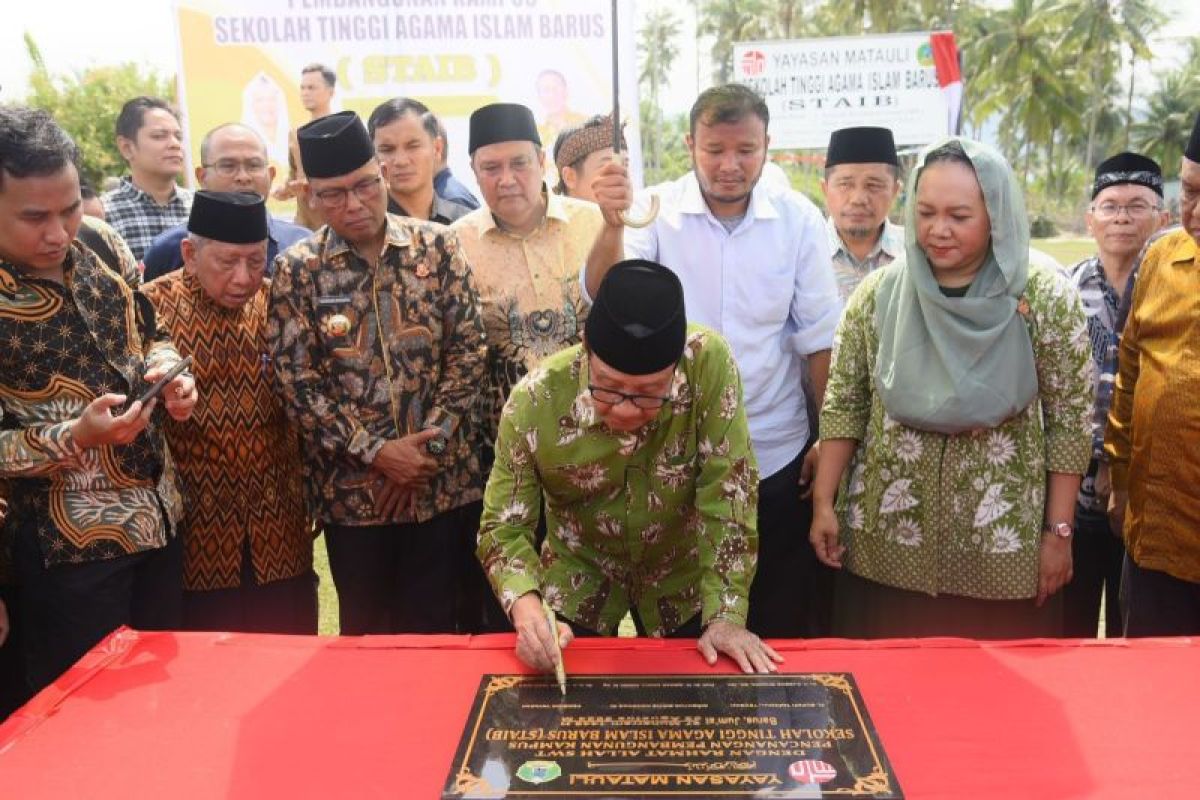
{"x": 156, "y": 388}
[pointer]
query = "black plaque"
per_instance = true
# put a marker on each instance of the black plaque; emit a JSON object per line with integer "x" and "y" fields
{"x": 679, "y": 736}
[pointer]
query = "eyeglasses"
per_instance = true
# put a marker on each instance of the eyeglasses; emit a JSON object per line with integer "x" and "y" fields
{"x": 611, "y": 397}
{"x": 228, "y": 167}
{"x": 365, "y": 190}
{"x": 1106, "y": 212}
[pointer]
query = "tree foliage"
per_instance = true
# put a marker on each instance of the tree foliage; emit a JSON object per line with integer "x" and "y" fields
{"x": 1053, "y": 80}
{"x": 86, "y": 105}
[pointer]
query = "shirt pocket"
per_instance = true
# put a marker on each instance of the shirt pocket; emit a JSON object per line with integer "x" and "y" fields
{"x": 767, "y": 293}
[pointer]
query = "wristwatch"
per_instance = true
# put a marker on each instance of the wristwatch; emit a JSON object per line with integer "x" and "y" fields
{"x": 1062, "y": 530}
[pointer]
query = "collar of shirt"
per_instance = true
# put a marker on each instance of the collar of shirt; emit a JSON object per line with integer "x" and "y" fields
{"x": 1186, "y": 250}
{"x": 396, "y": 236}
{"x": 692, "y": 201}
{"x": 135, "y": 192}
{"x": 890, "y": 242}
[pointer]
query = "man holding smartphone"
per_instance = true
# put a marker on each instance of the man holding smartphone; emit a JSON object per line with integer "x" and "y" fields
{"x": 94, "y": 504}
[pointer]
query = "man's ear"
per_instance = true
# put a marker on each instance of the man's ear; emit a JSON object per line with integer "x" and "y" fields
{"x": 127, "y": 147}
{"x": 187, "y": 249}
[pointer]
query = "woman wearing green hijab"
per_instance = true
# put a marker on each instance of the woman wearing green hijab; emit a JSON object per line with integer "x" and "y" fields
{"x": 955, "y": 421}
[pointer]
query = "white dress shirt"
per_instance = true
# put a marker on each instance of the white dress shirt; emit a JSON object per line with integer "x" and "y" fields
{"x": 767, "y": 286}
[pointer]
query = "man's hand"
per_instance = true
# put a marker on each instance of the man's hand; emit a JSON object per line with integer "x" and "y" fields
{"x": 751, "y": 653}
{"x": 179, "y": 395}
{"x": 1117, "y": 502}
{"x": 391, "y": 500}
{"x": 613, "y": 191}
{"x": 4, "y": 626}
{"x": 1054, "y": 569}
{"x": 535, "y": 647}
{"x": 97, "y": 426}
{"x": 808, "y": 471}
{"x": 405, "y": 462}
{"x": 823, "y": 535}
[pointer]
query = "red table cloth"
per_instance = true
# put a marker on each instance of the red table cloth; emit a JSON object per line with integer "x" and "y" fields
{"x": 193, "y": 715}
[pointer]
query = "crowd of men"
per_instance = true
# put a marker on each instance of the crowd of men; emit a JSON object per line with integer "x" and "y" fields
{"x": 487, "y": 406}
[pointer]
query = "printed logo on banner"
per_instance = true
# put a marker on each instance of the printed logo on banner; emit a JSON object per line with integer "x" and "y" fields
{"x": 539, "y": 771}
{"x": 753, "y": 62}
{"x": 810, "y": 771}
{"x": 925, "y": 55}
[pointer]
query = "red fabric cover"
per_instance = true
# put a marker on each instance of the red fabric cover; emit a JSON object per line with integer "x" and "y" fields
{"x": 249, "y": 716}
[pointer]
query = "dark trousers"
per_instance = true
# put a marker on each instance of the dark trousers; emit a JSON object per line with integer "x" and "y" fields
{"x": 288, "y": 605}
{"x": 1097, "y": 556}
{"x": 478, "y": 610}
{"x": 14, "y": 690}
{"x": 400, "y": 578}
{"x": 1157, "y": 604}
{"x": 792, "y": 593}
{"x": 68, "y": 608}
{"x": 869, "y": 610}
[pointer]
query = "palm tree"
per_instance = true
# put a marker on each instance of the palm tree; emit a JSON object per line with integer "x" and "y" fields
{"x": 1101, "y": 29}
{"x": 729, "y": 21}
{"x": 657, "y": 49}
{"x": 1023, "y": 76}
{"x": 1170, "y": 111}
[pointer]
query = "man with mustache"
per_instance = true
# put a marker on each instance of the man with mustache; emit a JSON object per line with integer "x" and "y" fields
{"x": 379, "y": 350}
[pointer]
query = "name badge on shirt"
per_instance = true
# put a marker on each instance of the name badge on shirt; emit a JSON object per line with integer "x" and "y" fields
{"x": 333, "y": 300}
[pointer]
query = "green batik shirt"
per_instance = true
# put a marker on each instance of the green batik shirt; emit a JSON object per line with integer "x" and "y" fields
{"x": 958, "y": 514}
{"x": 662, "y": 519}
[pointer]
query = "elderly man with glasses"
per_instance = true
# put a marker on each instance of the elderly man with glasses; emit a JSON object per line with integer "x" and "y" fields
{"x": 379, "y": 352}
{"x": 1126, "y": 210}
{"x": 233, "y": 158}
{"x": 636, "y": 443}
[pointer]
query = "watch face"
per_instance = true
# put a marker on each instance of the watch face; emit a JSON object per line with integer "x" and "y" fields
{"x": 1061, "y": 529}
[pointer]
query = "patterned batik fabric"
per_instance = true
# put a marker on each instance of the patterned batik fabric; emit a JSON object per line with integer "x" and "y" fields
{"x": 364, "y": 354}
{"x": 958, "y": 514}
{"x": 528, "y": 290}
{"x": 848, "y": 270}
{"x": 662, "y": 519}
{"x": 138, "y": 217}
{"x": 237, "y": 457}
{"x": 63, "y": 346}
{"x": 1102, "y": 305}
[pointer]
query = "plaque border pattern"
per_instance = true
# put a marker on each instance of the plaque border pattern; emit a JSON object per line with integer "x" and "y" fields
{"x": 491, "y": 684}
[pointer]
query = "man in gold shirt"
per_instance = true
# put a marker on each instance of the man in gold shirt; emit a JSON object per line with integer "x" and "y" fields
{"x": 1153, "y": 437}
{"x": 525, "y": 247}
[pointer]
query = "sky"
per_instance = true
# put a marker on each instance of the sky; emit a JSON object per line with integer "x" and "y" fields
{"x": 144, "y": 32}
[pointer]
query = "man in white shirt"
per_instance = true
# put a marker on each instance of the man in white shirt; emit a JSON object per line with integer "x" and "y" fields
{"x": 755, "y": 266}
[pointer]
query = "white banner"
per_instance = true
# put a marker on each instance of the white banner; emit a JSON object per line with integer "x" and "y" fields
{"x": 908, "y": 82}
{"x": 240, "y": 61}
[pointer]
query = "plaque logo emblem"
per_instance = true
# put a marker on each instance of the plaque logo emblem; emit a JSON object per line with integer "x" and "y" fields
{"x": 810, "y": 771}
{"x": 539, "y": 771}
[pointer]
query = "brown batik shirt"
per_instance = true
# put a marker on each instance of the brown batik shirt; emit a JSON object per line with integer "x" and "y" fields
{"x": 350, "y": 391}
{"x": 63, "y": 345}
{"x": 238, "y": 458}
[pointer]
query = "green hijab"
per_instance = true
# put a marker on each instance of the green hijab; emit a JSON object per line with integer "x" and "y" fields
{"x": 954, "y": 364}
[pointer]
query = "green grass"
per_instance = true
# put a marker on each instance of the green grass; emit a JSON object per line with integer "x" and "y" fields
{"x": 327, "y": 622}
{"x": 1067, "y": 250}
